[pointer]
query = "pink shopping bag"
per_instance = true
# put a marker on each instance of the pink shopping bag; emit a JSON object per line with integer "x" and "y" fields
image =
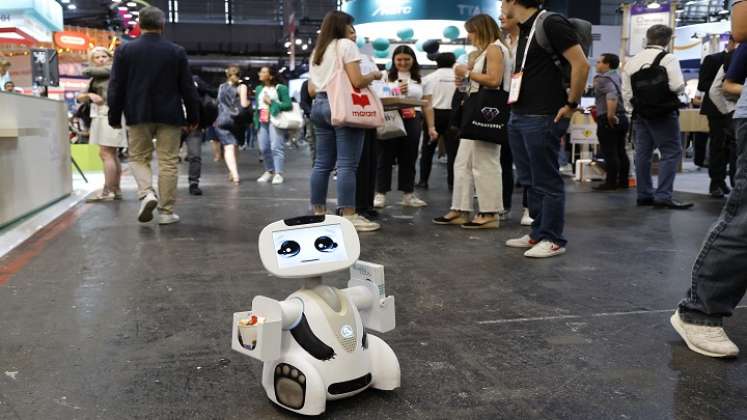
{"x": 352, "y": 107}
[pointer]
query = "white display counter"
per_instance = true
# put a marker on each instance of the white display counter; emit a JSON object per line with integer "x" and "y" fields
{"x": 35, "y": 166}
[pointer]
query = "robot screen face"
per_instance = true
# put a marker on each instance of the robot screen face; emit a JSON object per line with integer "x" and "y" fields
{"x": 300, "y": 247}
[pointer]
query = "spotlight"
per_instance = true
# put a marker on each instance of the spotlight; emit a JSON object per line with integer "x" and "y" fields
{"x": 298, "y": 41}
{"x": 131, "y": 4}
{"x": 654, "y": 5}
{"x": 71, "y": 7}
{"x": 304, "y": 47}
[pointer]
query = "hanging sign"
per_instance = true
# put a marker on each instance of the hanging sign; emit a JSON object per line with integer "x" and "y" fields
{"x": 71, "y": 40}
{"x": 643, "y": 17}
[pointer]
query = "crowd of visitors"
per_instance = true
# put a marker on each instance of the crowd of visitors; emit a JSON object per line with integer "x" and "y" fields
{"x": 529, "y": 72}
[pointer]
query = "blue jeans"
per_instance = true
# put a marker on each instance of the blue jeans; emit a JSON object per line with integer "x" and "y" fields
{"x": 272, "y": 146}
{"x": 662, "y": 134}
{"x": 719, "y": 278}
{"x": 340, "y": 145}
{"x": 535, "y": 144}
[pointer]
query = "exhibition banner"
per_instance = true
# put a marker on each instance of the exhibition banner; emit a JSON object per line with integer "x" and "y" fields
{"x": 368, "y": 11}
{"x": 643, "y": 17}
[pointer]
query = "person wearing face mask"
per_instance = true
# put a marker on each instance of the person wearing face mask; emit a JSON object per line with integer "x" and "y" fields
{"x": 109, "y": 139}
{"x": 406, "y": 75}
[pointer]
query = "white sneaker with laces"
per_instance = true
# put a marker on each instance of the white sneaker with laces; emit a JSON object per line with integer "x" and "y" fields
{"x": 277, "y": 179}
{"x": 704, "y": 339}
{"x": 362, "y": 224}
{"x": 411, "y": 200}
{"x": 523, "y": 242}
{"x": 379, "y": 201}
{"x": 266, "y": 177}
{"x": 545, "y": 249}
{"x": 168, "y": 218}
{"x": 525, "y": 219}
{"x": 147, "y": 205}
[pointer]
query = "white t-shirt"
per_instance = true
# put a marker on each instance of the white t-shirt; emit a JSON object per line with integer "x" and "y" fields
{"x": 269, "y": 92}
{"x": 320, "y": 74}
{"x": 508, "y": 65}
{"x": 441, "y": 85}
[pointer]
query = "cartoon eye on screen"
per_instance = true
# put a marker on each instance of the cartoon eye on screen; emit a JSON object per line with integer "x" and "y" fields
{"x": 289, "y": 249}
{"x": 325, "y": 244}
{"x": 320, "y": 244}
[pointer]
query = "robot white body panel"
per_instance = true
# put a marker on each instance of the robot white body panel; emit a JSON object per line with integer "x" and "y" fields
{"x": 324, "y": 351}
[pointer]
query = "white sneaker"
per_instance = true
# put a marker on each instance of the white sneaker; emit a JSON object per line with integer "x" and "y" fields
{"x": 277, "y": 179}
{"x": 168, "y": 218}
{"x": 410, "y": 200}
{"x": 266, "y": 177}
{"x": 706, "y": 340}
{"x": 362, "y": 224}
{"x": 147, "y": 205}
{"x": 525, "y": 219}
{"x": 379, "y": 201}
{"x": 523, "y": 242}
{"x": 545, "y": 249}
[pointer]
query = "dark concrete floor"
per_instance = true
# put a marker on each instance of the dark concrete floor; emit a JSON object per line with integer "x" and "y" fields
{"x": 115, "y": 320}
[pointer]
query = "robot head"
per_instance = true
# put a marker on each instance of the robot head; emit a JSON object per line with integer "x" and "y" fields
{"x": 308, "y": 246}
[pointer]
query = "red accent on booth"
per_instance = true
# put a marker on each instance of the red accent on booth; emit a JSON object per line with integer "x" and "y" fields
{"x": 71, "y": 40}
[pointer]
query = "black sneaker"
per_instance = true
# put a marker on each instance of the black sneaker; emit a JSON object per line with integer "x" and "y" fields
{"x": 642, "y": 202}
{"x": 604, "y": 187}
{"x": 422, "y": 185}
{"x": 194, "y": 189}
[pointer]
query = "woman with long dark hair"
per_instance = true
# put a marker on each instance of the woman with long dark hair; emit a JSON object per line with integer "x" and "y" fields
{"x": 272, "y": 99}
{"x": 336, "y": 146}
{"x": 406, "y": 73}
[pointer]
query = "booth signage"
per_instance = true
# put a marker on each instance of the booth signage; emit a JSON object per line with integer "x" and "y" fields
{"x": 71, "y": 40}
{"x": 30, "y": 20}
{"x": 643, "y": 17}
{"x": 368, "y": 11}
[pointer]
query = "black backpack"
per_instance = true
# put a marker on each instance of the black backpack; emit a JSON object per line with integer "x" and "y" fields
{"x": 583, "y": 33}
{"x": 652, "y": 97}
{"x": 208, "y": 111}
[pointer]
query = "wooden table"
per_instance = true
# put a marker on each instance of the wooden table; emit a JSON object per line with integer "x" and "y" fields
{"x": 691, "y": 121}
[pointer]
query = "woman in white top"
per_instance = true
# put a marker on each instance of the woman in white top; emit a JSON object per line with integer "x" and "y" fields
{"x": 477, "y": 167}
{"x": 336, "y": 146}
{"x": 406, "y": 73}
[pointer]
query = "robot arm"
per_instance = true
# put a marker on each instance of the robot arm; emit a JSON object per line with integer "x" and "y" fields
{"x": 367, "y": 292}
{"x": 261, "y": 340}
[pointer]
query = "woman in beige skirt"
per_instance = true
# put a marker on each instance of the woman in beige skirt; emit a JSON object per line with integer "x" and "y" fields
{"x": 101, "y": 133}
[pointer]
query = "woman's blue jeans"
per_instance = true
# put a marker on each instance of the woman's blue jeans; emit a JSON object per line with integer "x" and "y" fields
{"x": 339, "y": 147}
{"x": 272, "y": 147}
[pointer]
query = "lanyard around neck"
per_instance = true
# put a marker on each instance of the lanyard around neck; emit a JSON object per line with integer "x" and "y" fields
{"x": 529, "y": 40}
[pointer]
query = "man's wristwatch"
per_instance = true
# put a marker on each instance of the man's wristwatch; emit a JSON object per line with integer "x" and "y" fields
{"x": 571, "y": 105}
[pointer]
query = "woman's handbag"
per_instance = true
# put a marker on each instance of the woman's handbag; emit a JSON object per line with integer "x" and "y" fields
{"x": 393, "y": 127}
{"x": 351, "y": 107}
{"x": 288, "y": 120}
{"x": 485, "y": 115}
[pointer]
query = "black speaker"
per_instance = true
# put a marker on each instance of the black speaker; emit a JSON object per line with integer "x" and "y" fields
{"x": 45, "y": 69}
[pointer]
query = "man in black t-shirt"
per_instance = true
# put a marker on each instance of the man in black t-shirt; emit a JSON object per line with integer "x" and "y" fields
{"x": 540, "y": 115}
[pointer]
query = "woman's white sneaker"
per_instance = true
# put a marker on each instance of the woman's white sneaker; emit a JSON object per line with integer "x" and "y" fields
{"x": 277, "y": 179}
{"x": 411, "y": 200}
{"x": 525, "y": 219}
{"x": 379, "y": 201}
{"x": 545, "y": 249}
{"x": 362, "y": 224}
{"x": 266, "y": 177}
{"x": 168, "y": 218}
{"x": 704, "y": 339}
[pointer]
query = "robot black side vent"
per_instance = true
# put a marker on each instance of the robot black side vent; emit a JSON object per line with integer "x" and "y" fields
{"x": 310, "y": 342}
{"x": 350, "y": 386}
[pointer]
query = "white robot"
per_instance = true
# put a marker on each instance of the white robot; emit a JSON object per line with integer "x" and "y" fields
{"x": 315, "y": 344}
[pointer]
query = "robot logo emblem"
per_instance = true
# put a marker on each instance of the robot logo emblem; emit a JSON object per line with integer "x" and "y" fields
{"x": 346, "y": 331}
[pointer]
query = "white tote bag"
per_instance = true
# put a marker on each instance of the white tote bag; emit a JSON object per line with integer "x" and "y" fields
{"x": 288, "y": 120}
{"x": 393, "y": 127}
